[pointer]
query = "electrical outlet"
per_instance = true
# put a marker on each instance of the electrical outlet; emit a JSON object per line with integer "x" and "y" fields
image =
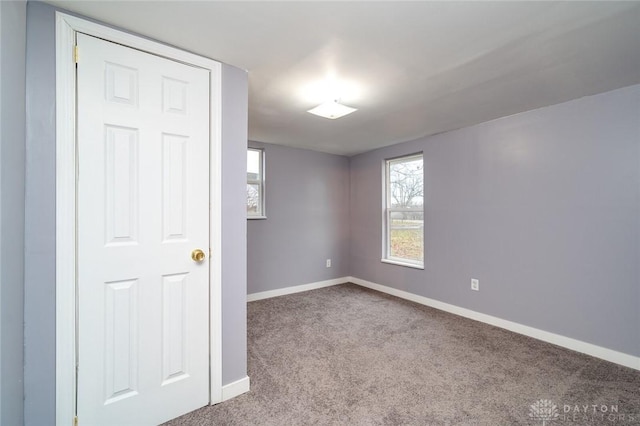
{"x": 475, "y": 284}
{"x": 328, "y": 263}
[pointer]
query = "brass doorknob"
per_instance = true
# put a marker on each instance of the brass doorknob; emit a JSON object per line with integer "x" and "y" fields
{"x": 197, "y": 255}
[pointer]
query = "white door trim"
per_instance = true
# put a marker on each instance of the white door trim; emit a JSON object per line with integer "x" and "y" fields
{"x": 66, "y": 165}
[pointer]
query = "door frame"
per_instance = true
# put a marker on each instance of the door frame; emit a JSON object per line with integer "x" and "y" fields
{"x": 66, "y": 207}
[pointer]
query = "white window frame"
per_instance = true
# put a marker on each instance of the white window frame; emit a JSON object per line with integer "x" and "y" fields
{"x": 262, "y": 214}
{"x": 388, "y": 210}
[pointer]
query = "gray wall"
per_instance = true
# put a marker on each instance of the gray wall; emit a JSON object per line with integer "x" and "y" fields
{"x": 307, "y": 206}
{"x": 235, "y": 108}
{"x": 40, "y": 223}
{"x": 40, "y": 219}
{"x": 12, "y": 148}
{"x": 542, "y": 207}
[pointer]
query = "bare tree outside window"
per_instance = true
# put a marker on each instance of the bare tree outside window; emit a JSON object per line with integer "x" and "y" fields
{"x": 253, "y": 200}
{"x": 406, "y": 184}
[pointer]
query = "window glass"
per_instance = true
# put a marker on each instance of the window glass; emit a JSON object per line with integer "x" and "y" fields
{"x": 255, "y": 183}
{"x": 404, "y": 211}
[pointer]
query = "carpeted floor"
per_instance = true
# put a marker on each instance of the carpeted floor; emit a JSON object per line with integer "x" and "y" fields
{"x": 346, "y": 355}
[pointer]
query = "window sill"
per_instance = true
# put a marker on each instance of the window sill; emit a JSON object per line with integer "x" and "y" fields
{"x": 256, "y": 217}
{"x": 401, "y": 263}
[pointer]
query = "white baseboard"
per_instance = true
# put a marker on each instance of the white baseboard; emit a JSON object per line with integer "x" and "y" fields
{"x": 236, "y": 388}
{"x": 556, "y": 339}
{"x": 295, "y": 289}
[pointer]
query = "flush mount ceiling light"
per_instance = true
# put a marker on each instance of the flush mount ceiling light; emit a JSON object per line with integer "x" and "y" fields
{"x": 332, "y": 110}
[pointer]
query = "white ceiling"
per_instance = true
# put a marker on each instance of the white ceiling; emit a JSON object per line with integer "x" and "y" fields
{"x": 411, "y": 68}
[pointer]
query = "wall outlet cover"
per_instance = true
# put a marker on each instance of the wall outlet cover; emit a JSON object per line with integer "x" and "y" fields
{"x": 475, "y": 284}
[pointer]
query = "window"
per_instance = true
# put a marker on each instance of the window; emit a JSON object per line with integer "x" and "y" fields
{"x": 404, "y": 211}
{"x": 255, "y": 183}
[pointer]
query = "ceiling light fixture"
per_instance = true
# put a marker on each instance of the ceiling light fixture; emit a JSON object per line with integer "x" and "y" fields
{"x": 332, "y": 110}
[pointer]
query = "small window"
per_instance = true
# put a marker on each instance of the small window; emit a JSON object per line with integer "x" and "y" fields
{"x": 255, "y": 183}
{"x": 404, "y": 211}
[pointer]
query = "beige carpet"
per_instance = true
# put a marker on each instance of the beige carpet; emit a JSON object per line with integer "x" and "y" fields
{"x": 345, "y": 355}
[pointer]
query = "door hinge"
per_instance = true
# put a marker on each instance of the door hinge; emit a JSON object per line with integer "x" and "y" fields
{"x": 76, "y": 54}
{"x": 75, "y": 421}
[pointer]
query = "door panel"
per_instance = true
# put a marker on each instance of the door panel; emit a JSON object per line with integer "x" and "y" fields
{"x": 143, "y": 206}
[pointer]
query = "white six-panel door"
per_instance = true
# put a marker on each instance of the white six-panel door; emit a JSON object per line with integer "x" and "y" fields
{"x": 143, "y": 207}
